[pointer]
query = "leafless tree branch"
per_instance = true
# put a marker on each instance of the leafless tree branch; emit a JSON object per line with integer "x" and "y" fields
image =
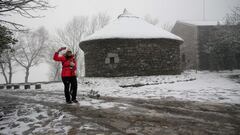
{"x": 24, "y": 8}
{"x": 31, "y": 47}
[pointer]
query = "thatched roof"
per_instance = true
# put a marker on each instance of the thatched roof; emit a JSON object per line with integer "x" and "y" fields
{"x": 129, "y": 26}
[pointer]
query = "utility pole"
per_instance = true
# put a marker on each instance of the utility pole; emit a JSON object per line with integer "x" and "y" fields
{"x": 204, "y": 9}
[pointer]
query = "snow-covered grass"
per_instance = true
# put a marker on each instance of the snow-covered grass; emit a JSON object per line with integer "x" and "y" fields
{"x": 202, "y": 86}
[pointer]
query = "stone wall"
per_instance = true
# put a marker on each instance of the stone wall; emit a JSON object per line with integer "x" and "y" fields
{"x": 189, "y": 49}
{"x": 132, "y": 57}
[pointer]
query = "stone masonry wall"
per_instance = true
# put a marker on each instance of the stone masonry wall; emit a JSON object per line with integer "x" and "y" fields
{"x": 134, "y": 57}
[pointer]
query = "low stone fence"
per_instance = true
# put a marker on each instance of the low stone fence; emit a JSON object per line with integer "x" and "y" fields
{"x": 21, "y": 86}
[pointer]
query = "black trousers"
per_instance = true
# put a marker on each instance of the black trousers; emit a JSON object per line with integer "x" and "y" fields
{"x": 70, "y": 82}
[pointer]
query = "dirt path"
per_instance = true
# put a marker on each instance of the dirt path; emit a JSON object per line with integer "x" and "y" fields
{"x": 135, "y": 117}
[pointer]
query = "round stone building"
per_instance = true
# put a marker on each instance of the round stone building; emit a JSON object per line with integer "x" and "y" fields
{"x": 130, "y": 46}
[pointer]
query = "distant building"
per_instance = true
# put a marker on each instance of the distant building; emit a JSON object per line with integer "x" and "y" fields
{"x": 197, "y": 36}
{"x": 130, "y": 46}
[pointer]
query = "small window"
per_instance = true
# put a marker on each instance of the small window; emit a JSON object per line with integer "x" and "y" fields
{"x": 112, "y": 60}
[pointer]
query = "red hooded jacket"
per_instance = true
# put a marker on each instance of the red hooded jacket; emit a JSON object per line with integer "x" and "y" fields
{"x": 67, "y": 70}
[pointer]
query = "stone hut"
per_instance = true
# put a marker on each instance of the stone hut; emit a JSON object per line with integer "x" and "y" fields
{"x": 130, "y": 46}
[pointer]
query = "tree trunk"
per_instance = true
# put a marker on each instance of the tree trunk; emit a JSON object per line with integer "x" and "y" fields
{"x": 4, "y": 74}
{"x": 27, "y": 75}
{"x": 10, "y": 72}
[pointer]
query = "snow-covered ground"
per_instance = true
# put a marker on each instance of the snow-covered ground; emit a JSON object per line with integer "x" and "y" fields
{"x": 44, "y": 111}
{"x": 202, "y": 86}
{"x": 205, "y": 86}
{"x": 26, "y": 115}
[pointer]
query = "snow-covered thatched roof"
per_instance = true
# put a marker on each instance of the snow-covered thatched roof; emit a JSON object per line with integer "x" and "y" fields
{"x": 129, "y": 26}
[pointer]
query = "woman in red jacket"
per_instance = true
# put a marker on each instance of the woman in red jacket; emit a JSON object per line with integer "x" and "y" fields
{"x": 69, "y": 77}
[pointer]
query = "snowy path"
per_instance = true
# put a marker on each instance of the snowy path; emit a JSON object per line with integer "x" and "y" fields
{"x": 25, "y": 114}
{"x": 157, "y": 107}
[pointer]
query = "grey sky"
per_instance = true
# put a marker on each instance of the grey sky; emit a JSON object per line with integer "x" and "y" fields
{"x": 167, "y": 11}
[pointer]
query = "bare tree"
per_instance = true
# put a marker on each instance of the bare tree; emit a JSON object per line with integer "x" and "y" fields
{"x": 25, "y": 8}
{"x": 167, "y": 27}
{"x": 97, "y": 22}
{"x": 7, "y": 65}
{"x": 149, "y": 19}
{"x": 75, "y": 31}
{"x": 3, "y": 72}
{"x": 55, "y": 68}
{"x": 234, "y": 17}
{"x": 30, "y": 50}
{"x": 223, "y": 45}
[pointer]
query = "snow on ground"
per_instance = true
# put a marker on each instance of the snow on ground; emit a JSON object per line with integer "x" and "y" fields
{"x": 26, "y": 116}
{"x": 26, "y": 112}
{"x": 202, "y": 86}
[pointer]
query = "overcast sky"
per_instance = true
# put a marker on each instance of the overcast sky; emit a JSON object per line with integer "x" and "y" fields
{"x": 167, "y": 11}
